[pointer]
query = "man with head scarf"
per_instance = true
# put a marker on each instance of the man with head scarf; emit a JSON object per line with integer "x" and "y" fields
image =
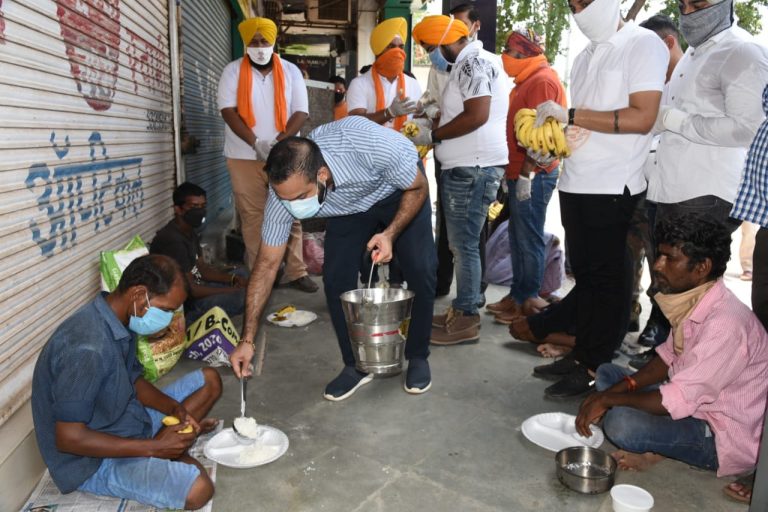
{"x": 617, "y": 82}
{"x": 530, "y": 185}
{"x": 385, "y": 94}
{"x": 471, "y": 146}
{"x": 709, "y": 116}
{"x": 262, "y": 99}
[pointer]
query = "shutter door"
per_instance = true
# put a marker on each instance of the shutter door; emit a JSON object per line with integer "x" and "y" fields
{"x": 206, "y": 48}
{"x": 87, "y": 159}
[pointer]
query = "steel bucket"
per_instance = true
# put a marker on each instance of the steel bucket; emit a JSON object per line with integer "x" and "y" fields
{"x": 377, "y": 322}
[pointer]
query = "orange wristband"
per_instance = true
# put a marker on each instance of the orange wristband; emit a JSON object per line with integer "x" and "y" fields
{"x": 631, "y": 383}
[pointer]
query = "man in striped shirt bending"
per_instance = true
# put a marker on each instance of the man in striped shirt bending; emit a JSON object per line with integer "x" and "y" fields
{"x": 701, "y": 400}
{"x": 365, "y": 179}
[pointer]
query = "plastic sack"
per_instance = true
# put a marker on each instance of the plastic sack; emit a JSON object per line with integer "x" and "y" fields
{"x": 161, "y": 351}
{"x": 314, "y": 252}
{"x": 211, "y": 338}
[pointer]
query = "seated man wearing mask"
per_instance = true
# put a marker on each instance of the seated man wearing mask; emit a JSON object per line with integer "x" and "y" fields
{"x": 701, "y": 400}
{"x": 385, "y": 94}
{"x": 208, "y": 286}
{"x": 98, "y": 423}
{"x": 364, "y": 178}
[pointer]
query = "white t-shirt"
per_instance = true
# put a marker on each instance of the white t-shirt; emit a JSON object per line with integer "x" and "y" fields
{"x": 263, "y": 94}
{"x": 477, "y": 73}
{"x": 362, "y": 94}
{"x": 604, "y": 75}
{"x": 718, "y": 86}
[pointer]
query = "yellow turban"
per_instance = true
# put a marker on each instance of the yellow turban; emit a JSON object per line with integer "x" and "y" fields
{"x": 434, "y": 28}
{"x": 386, "y": 31}
{"x": 263, "y": 26}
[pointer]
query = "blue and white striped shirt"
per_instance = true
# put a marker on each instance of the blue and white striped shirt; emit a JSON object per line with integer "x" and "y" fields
{"x": 368, "y": 163}
{"x": 752, "y": 202}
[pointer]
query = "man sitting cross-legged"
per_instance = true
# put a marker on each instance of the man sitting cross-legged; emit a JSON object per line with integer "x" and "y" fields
{"x": 701, "y": 400}
{"x": 98, "y": 422}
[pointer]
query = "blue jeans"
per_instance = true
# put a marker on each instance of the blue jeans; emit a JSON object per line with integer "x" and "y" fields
{"x": 467, "y": 192}
{"x": 526, "y": 235}
{"x": 161, "y": 483}
{"x": 688, "y": 440}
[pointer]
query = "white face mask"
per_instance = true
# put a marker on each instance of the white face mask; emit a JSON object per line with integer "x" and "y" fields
{"x": 260, "y": 56}
{"x": 472, "y": 37}
{"x": 600, "y": 20}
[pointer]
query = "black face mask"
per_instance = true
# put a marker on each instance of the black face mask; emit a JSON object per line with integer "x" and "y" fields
{"x": 338, "y": 96}
{"x": 195, "y": 217}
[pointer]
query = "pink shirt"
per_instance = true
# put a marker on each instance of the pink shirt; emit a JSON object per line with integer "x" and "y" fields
{"x": 721, "y": 376}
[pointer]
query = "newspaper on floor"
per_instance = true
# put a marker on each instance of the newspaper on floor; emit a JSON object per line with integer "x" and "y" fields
{"x": 47, "y": 498}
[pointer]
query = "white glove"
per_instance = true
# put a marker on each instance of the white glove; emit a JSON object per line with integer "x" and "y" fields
{"x": 542, "y": 160}
{"x": 401, "y": 107}
{"x": 550, "y": 109}
{"x": 428, "y": 106}
{"x": 262, "y": 148}
{"x": 432, "y": 111}
{"x": 523, "y": 188}
{"x": 423, "y": 138}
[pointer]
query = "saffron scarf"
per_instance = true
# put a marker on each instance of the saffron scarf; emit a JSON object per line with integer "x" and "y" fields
{"x": 245, "y": 96}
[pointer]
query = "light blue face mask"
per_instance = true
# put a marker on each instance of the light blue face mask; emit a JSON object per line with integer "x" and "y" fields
{"x": 439, "y": 62}
{"x": 304, "y": 208}
{"x": 154, "y": 320}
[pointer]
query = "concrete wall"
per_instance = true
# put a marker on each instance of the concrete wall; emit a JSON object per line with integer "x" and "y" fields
{"x": 20, "y": 463}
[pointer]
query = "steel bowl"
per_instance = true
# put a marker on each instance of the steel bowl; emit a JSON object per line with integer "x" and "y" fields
{"x": 585, "y": 470}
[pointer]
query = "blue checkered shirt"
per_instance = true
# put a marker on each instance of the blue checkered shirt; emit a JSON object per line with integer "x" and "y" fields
{"x": 368, "y": 163}
{"x": 752, "y": 202}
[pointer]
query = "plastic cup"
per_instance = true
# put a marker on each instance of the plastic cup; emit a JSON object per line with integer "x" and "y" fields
{"x": 630, "y": 498}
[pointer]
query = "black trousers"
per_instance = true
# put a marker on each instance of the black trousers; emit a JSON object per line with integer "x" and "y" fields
{"x": 597, "y": 308}
{"x": 345, "y": 241}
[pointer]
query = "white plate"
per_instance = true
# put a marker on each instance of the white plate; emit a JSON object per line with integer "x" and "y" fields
{"x": 225, "y": 449}
{"x": 298, "y": 318}
{"x": 557, "y": 430}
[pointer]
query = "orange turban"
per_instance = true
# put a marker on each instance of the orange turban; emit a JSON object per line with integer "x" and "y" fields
{"x": 263, "y": 26}
{"x": 386, "y": 31}
{"x": 434, "y": 30}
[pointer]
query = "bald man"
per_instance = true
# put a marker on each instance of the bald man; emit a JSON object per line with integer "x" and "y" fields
{"x": 263, "y": 99}
{"x": 385, "y": 94}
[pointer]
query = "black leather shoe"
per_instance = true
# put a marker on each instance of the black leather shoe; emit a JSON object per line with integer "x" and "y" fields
{"x": 641, "y": 360}
{"x": 556, "y": 370}
{"x": 576, "y": 383}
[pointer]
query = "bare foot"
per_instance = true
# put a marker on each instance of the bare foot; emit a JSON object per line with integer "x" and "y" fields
{"x": 636, "y": 461}
{"x": 741, "y": 489}
{"x": 552, "y": 350}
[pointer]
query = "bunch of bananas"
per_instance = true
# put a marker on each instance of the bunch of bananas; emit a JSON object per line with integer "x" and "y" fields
{"x": 410, "y": 130}
{"x": 547, "y": 138}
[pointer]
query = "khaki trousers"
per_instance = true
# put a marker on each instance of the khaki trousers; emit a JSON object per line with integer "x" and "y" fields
{"x": 250, "y": 187}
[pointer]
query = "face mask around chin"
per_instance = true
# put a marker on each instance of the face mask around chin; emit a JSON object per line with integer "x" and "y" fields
{"x": 153, "y": 321}
{"x": 260, "y": 56}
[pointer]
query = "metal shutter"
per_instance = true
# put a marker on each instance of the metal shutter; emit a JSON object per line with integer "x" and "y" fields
{"x": 206, "y": 48}
{"x": 87, "y": 159}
